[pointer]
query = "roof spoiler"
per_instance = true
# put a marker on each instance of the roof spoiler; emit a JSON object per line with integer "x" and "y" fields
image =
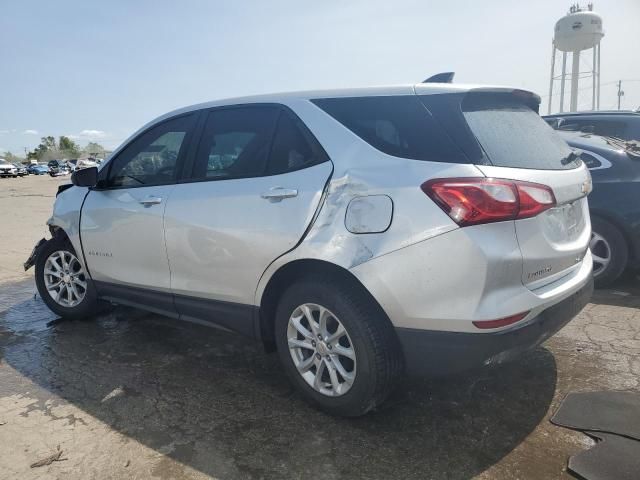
{"x": 444, "y": 77}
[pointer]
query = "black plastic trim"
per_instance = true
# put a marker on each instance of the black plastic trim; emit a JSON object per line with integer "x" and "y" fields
{"x": 437, "y": 353}
{"x": 146, "y": 299}
{"x": 236, "y": 317}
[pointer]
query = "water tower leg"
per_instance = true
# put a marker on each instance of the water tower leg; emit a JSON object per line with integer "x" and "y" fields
{"x": 598, "y": 94}
{"x": 594, "y": 74}
{"x": 575, "y": 74}
{"x": 563, "y": 76}
{"x": 553, "y": 64}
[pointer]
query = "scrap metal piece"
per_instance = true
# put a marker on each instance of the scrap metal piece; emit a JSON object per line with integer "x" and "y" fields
{"x": 34, "y": 254}
{"x": 612, "y": 458}
{"x": 609, "y": 412}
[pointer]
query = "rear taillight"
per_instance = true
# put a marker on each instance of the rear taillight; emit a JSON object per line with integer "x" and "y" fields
{"x": 472, "y": 201}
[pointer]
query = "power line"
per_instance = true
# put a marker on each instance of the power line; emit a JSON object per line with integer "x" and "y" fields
{"x": 615, "y": 82}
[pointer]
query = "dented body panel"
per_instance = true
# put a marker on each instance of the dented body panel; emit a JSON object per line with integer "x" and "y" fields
{"x": 360, "y": 170}
{"x": 66, "y": 216}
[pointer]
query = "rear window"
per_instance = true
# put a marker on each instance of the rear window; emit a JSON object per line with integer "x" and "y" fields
{"x": 396, "y": 125}
{"x": 513, "y": 135}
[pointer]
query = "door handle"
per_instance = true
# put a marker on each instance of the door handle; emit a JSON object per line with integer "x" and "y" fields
{"x": 276, "y": 194}
{"x": 148, "y": 201}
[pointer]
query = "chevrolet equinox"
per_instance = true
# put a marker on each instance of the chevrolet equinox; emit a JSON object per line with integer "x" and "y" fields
{"x": 361, "y": 233}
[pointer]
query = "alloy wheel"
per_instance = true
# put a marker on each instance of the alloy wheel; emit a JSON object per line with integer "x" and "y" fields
{"x": 601, "y": 253}
{"x": 65, "y": 279}
{"x": 321, "y": 349}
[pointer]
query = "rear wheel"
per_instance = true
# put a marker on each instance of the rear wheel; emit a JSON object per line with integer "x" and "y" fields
{"x": 337, "y": 347}
{"x": 62, "y": 281}
{"x": 609, "y": 251}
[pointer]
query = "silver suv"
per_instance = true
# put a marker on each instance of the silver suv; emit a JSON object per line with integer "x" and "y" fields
{"x": 360, "y": 233}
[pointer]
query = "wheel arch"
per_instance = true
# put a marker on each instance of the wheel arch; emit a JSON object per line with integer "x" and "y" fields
{"x": 291, "y": 272}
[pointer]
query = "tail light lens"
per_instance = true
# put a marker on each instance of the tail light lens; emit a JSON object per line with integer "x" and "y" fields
{"x": 472, "y": 201}
{"x": 500, "y": 322}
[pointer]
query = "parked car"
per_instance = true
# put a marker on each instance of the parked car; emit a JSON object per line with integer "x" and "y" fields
{"x": 355, "y": 231}
{"x": 38, "y": 169}
{"x": 58, "y": 167}
{"x": 623, "y": 124}
{"x": 614, "y": 202}
{"x": 21, "y": 170}
{"x": 86, "y": 162}
{"x": 7, "y": 169}
{"x": 72, "y": 164}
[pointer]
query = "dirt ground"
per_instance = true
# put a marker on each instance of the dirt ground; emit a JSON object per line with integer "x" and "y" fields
{"x": 136, "y": 395}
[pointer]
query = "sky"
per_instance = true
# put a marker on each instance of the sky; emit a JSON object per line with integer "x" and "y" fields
{"x": 98, "y": 70}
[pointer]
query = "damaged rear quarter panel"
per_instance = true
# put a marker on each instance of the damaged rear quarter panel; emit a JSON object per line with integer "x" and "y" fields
{"x": 361, "y": 170}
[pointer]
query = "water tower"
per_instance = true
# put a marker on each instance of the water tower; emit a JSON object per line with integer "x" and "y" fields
{"x": 578, "y": 30}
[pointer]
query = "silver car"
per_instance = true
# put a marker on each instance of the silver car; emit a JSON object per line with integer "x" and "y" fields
{"x": 361, "y": 233}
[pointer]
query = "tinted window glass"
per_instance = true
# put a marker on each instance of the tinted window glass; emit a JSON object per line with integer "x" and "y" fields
{"x": 590, "y": 161}
{"x": 399, "y": 125}
{"x": 152, "y": 158}
{"x": 513, "y": 135}
{"x": 235, "y": 143}
{"x": 290, "y": 149}
{"x": 609, "y": 128}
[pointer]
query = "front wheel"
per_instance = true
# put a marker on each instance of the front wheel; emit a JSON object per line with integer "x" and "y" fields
{"x": 337, "y": 346}
{"x": 62, "y": 281}
{"x": 609, "y": 251}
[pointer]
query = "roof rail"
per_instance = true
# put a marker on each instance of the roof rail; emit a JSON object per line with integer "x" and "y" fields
{"x": 444, "y": 77}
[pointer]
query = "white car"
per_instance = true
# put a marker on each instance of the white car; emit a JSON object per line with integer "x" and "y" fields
{"x": 435, "y": 227}
{"x": 86, "y": 163}
{"x": 7, "y": 169}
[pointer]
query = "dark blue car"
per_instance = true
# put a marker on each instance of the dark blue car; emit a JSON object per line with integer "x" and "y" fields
{"x": 614, "y": 202}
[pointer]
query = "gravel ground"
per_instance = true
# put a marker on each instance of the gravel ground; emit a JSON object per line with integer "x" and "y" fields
{"x": 136, "y": 395}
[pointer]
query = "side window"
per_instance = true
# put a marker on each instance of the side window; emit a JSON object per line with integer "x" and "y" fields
{"x": 399, "y": 126}
{"x": 590, "y": 161}
{"x": 291, "y": 150}
{"x": 152, "y": 158}
{"x": 235, "y": 143}
{"x": 594, "y": 161}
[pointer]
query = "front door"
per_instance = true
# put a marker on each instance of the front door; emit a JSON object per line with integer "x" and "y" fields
{"x": 122, "y": 219}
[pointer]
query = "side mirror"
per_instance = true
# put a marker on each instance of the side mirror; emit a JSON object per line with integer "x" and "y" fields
{"x": 85, "y": 177}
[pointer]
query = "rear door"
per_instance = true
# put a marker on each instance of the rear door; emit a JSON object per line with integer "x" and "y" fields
{"x": 258, "y": 177}
{"x": 517, "y": 144}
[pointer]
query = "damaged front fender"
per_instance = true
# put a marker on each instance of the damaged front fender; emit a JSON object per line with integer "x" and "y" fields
{"x": 34, "y": 254}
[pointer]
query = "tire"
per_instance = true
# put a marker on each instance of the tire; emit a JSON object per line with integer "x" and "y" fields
{"x": 85, "y": 307}
{"x": 610, "y": 251}
{"x": 378, "y": 364}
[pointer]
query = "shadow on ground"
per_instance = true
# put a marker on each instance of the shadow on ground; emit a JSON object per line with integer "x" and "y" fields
{"x": 625, "y": 292}
{"x": 215, "y": 402}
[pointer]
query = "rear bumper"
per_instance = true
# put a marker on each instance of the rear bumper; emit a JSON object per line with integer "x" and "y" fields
{"x": 437, "y": 353}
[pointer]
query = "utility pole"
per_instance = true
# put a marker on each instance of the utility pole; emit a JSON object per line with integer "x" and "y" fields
{"x": 620, "y": 92}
